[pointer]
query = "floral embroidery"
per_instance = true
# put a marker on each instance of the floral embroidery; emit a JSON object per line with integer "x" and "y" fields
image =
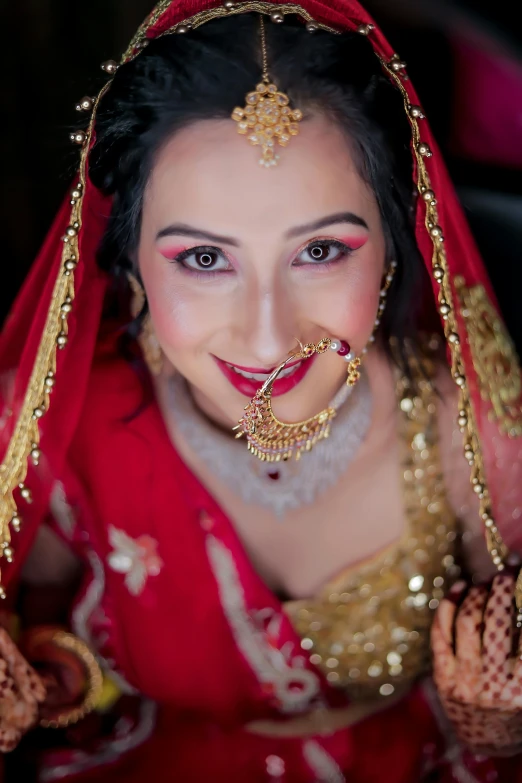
{"x": 136, "y": 558}
{"x": 322, "y": 764}
{"x": 91, "y": 624}
{"x": 130, "y": 734}
{"x": 292, "y": 687}
{"x": 494, "y": 358}
{"x": 62, "y": 511}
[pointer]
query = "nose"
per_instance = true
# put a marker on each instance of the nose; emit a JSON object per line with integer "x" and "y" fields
{"x": 270, "y": 330}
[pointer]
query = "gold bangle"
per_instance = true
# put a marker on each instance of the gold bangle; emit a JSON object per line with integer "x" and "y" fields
{"x": 68, "y": 641}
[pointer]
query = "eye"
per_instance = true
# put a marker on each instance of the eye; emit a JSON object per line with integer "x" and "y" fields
{"x": 322, "y": 251}
{"x": 204, "y": 259}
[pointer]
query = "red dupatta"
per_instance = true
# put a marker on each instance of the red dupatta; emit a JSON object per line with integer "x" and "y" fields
{"x": 47, "y": 346}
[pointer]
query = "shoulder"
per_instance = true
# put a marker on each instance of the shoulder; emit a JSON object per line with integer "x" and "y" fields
{"x": 118, "y": 421}
{"x": 115, "y": 384}
{"x": 119, "y": 387}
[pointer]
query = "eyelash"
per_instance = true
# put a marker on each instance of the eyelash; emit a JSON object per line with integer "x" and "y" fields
{"x": 344, "y": 249}
{"x": 201, "y": 249}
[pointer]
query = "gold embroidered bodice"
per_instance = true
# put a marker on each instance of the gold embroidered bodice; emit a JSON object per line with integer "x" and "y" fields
{"x": 368, "y": 629}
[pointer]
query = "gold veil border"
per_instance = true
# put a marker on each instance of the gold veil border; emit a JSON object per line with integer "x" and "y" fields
{"x": 24, "y": 443}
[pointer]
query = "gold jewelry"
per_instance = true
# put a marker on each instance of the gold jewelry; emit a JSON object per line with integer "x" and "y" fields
{"x": 68, "y": 641}
{"x": 149, "y": 345}
{"x": 267, "y": 116}
{"x": 272, "y": 440}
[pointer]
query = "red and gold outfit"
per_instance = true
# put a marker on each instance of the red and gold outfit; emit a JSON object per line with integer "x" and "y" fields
{"x": 219, "y": 679}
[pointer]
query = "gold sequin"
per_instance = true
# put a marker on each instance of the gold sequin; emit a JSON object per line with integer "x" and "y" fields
{"x": 494, "y": 358}
{"x": 372, "y": 623}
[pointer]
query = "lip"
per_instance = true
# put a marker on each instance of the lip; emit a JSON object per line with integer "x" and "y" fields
{"x": 259, "y": 369}
{"x": 248, "y": 386}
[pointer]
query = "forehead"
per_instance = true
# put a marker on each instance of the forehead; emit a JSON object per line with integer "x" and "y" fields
{"x": 209, "y": 171}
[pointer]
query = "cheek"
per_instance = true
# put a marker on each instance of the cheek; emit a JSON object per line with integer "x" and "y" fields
{"x": 361, "y": 311}
{"x": 183, "y": 317}
{"x": 347, "y": 307}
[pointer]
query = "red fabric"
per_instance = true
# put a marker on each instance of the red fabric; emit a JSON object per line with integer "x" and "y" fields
{"x": 19, "y": 342}
{"x": 173, "y": 640}
{"x": 23, "y": 330}
{"x": 487, "y": 96}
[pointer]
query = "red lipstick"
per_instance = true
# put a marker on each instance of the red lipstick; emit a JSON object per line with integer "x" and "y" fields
{"x": 249, "y": 386}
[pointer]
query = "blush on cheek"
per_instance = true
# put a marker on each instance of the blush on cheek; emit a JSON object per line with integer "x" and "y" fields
{"x": 356, "y": 312}
{"x": 175, "y": 324}
{"x": 184, "y": 325}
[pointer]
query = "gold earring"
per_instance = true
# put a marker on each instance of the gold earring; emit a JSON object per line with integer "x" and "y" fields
{"x": 149, "y": 345}
{"x": 267, "y": 117}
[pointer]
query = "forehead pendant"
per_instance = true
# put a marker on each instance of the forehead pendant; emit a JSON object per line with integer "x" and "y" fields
{"x": 267, "y": 119}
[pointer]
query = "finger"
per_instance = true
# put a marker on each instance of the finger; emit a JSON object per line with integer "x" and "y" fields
{"x": 27, "y": 681}
{"x": 23, "y": 716}
{"x": 499, "y": 623}
{"x": 512, "y": 692}
{"x": 468, "y": 625}
{"x": 9, "y": 738}
{"x": 444, "y": 664}
{"x": 468, "y": 644}
{"x": 16, "y": 713}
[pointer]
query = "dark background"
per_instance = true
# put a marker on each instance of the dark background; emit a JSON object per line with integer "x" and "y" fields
{"x": 50, "y": 57}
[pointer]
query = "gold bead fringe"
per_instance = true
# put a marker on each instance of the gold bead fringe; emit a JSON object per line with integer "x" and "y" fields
{"x": 272, "y": 440}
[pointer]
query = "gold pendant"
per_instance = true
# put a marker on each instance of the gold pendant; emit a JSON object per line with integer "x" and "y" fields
{"x": 267, "y": 117}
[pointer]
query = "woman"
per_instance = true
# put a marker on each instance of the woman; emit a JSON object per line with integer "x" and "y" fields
{"x": 258, "y": 616}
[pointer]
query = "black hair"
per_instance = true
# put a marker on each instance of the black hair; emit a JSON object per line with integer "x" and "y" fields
{"x": 205, "y": 73}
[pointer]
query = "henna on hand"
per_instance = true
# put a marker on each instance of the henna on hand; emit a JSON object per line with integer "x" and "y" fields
{"x": 478, "y": 666}
{"x": 21, "y": 693}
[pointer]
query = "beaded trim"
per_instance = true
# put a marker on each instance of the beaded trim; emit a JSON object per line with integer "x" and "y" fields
{"x": 452, "y": 330}
{"x": 227, "y": 9}
{"x": 24, "y": 442}
{"x": 25, "y": 439}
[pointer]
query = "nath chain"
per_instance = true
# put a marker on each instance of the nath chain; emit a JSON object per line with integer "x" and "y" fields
{"x": 264, "y": 53}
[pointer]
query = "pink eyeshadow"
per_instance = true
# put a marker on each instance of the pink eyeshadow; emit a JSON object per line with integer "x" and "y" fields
{"x": 171, "y": 251}
{"x": 354, "y": 242}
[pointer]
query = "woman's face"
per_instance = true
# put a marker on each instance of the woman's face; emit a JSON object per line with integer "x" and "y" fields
{"x": 240, "y": 262}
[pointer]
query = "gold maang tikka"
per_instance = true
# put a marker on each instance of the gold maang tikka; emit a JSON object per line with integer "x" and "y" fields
{"x": 272, "y": 440}
{"x": 267, "y": 117}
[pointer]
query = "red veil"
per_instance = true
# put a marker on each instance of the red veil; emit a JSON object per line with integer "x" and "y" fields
{"x": 47, "y": 346}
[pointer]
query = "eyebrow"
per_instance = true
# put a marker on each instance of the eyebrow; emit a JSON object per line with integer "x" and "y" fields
{"x": 329, "y": 220}
{"x": 182, "y": 229}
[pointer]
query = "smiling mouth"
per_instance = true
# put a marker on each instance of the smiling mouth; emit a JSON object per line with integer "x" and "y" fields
{"x": 248, "y": 380}
{"x": 262, "y": 376}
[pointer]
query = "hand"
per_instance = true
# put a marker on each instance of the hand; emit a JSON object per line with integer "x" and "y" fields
{"x": 21, "y": 692}
{"x": 477, "y": 665}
